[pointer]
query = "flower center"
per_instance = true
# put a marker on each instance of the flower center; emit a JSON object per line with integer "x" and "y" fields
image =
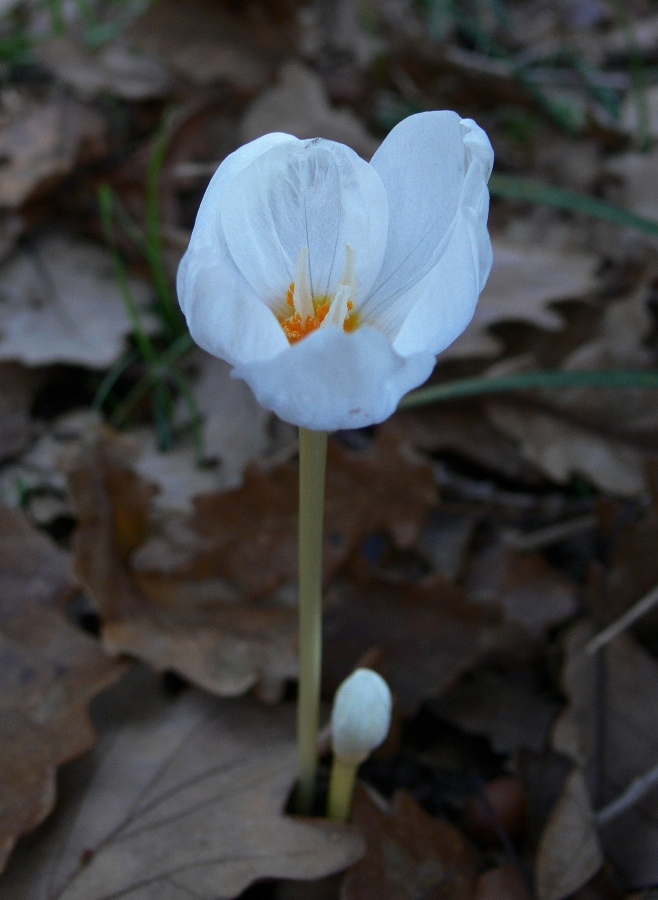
{"x": 307, "y": 312}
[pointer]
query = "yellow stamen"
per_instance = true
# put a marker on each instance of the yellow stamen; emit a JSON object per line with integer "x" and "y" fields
{"x": 309, "y": 312}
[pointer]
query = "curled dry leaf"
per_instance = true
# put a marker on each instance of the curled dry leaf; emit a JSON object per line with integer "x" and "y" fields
{"x": 60, "y": 303}
{"x": 49, "y": 671}
{"x": 196, "y": 594}
{"x": 41, "y": 143}
{"x": 181, "y": 797}
{"x": 629, "y": 743}
{"x": 409, "y": 854}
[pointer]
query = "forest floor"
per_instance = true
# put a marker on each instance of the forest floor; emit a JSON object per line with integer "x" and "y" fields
{"x": 476, "y": 545}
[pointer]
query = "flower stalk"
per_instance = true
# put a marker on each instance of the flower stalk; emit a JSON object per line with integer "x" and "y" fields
{"x": 312, "y": 468}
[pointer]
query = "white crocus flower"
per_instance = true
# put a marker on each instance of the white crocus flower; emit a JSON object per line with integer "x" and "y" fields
{"x": 329, "y": 283}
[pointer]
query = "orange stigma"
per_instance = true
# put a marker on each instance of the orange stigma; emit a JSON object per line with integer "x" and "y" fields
{"x": 293, "y": 327}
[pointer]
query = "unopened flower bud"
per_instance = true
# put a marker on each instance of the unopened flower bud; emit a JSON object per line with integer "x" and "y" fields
{"x": 361, "y": 716}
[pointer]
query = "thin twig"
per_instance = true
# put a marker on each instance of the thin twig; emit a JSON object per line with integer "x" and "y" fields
{"x": 641, "y": 608}
{"x": 551, "y": 534}
{"x": 633, "y": 793}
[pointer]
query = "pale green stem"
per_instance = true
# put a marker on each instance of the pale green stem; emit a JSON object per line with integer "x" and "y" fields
{"x": 341, "y": 789}
{"x": 312, "y": 467}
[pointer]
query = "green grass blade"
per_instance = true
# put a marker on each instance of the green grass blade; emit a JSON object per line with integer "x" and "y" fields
{"x": 472, "y": 387}
{"x": 511, "y": 187}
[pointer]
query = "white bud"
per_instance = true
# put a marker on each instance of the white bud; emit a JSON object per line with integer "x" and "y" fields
{"x": 361, "y": 716}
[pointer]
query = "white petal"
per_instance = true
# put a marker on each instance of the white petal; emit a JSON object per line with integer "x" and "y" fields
{"x": 208, "y": 222}
{"x": 443, "y": 303}
{"x": 422, "y": 163}
{"x": 315, "y": 194}
{"x": 223, "y": 313}
{"x": 332, "y": 379}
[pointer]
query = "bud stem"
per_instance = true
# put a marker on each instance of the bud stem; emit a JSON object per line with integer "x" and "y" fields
{"x": 312, "y": 468}
{"x": 341, "y": 789}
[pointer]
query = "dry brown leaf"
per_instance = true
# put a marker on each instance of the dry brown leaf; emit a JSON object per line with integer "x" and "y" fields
{"x": 638, "y": 174}
{"x": 432, "y": 624}
{"x": 409, "y": 854}
{"x": 111, "y": 70}
{"x": 467, "y": 432}
{"x": 181, "y": 797}
{"x": 249, "y": 535}
{"x": 15, "y": 399}
{"x": 236, "y": 428}
{"x": 60, "y": 303}
{"x": 510, "y": 712}
{"x": 193, "y": 596}
{"x": 569, "y": 851}
{"x": 298, "y": 105}
{"x": 524, "y": 586}
{"x": 633, "y": 563}
{"x": 563, "y": 449}
{"x": 629, "y": 747}
{"x": 525, "y": 280}
{"x": 41, "y": 143}
{"x": 49, "y": 671}
{"x": 206, "y": 42}
{"x": 502, "y": 883}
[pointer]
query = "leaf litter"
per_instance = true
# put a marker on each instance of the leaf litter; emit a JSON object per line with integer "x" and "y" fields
{"x": 464, "y": 542}
{"x": 181, "y": 796}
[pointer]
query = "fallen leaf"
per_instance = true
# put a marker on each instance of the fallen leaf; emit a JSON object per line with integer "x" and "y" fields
{"x": 569, "y": 852}
{"x": 196, "y": 594}
{"x": 563, "y": 449}
{"x": 525, "y": 280}
{"x": 298, "y": 105}
{"x": 629, "y": 748}
{"x": 206, "y": 42}
{"x": 629, "y": 118}
{"x": 409, "y": 854}
{"x": 60, "y": 303}
{"x": 113, "y": 70}
{"x": 15, "y": 400}
{"x": 528, "y": 591}
{"x": 502, "y": 883}
{"x": 50, "y": 671}
{"x": 466, "y": 432}
{"x": 509, "y": 711}
{"x": 637, "y": 174}
{"x": 40, "y": 143}
{"x": 431, "y": 623}
{"x": 181, "y": 796}
{"x": 236, "y": 428}
{"x": 387, "y": 488}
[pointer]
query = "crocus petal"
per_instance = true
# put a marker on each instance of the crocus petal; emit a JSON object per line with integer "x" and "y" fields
{"x": 422, "y": 164}
{"x": 334, "y": 380}
{"x": 440, "y": 306}
{"x": 315, "y": 194}
{"x": 223, "y": 313}
{"x": 208, "y": 223}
